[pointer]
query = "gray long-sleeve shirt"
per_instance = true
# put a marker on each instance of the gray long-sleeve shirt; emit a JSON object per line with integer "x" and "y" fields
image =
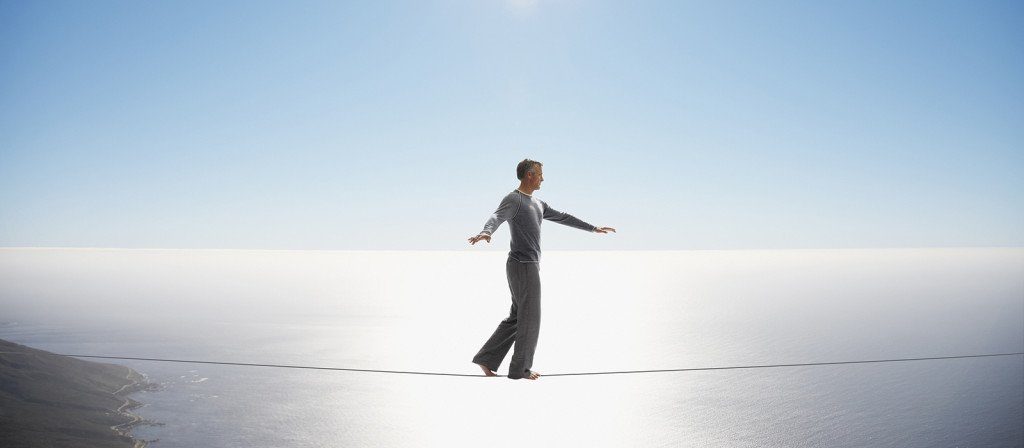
{"x": 524, "y": 214}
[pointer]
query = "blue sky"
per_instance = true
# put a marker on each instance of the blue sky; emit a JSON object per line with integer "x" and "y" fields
{"x": 373, "y": 125}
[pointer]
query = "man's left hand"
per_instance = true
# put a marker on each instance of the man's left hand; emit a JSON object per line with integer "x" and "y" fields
{"x": 604, "y": 229}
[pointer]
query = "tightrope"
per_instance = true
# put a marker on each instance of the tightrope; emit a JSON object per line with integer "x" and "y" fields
{"x": 619, "y": 372}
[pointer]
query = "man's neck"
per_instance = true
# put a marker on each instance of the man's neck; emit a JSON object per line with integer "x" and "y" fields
{"x": 524, "y": 190}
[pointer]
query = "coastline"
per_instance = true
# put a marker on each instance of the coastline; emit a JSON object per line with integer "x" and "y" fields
{"x": 50, "y": 399}
{"x": 138, "y": 383}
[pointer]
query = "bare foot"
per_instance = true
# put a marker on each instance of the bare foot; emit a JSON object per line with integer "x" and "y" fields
{"x": 532, "y": 376}
{"x": 487, "y": 370}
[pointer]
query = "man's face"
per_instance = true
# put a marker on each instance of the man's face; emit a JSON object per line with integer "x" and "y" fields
{"x": 536, "y": 178}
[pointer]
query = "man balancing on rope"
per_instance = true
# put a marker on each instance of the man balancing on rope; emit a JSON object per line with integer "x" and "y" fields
{"x": 524, "y": 214}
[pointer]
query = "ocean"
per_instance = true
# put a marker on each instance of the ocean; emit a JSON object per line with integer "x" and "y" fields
{"x": 602, "y": 311}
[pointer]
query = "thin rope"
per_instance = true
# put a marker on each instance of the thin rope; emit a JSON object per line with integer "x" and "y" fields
{"x": 768, "y": 366}
{"x": 282, "y": 366}
{"x": 761, "y": 366}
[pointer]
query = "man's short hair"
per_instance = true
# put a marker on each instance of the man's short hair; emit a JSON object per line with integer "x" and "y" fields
{"x": 526, "y": 165}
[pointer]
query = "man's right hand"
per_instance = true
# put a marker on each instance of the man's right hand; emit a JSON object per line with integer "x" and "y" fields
{"x": 482, "y": 236}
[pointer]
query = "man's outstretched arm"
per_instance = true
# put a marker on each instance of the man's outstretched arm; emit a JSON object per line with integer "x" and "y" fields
{"x": 507, "y": 209}
{"x": 563, "y": 218}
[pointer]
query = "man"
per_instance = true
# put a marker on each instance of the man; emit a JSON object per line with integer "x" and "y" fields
{"x": 524, "y": 214}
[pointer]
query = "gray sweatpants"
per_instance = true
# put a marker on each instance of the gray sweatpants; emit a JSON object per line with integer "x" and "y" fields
{"x": 522, "y": 325}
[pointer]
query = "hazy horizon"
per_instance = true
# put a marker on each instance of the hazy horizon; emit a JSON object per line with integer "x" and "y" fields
{"x": 602, "y": 311}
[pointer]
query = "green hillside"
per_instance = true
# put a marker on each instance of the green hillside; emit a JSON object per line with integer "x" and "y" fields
{"x": 49, "y": 400}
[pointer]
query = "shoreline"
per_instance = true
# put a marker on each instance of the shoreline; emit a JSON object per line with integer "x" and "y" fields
{"x": 138, "y": 383}
{"x": 51, "y": 399}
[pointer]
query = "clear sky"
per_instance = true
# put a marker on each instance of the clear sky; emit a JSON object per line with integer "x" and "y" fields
{"x": 398, "y": 125}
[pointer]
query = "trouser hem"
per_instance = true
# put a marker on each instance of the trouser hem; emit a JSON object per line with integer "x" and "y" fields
{"x": 487, "y": 363}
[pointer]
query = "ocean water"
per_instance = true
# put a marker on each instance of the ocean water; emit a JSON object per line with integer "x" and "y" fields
{"x": 602, "y": 311}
